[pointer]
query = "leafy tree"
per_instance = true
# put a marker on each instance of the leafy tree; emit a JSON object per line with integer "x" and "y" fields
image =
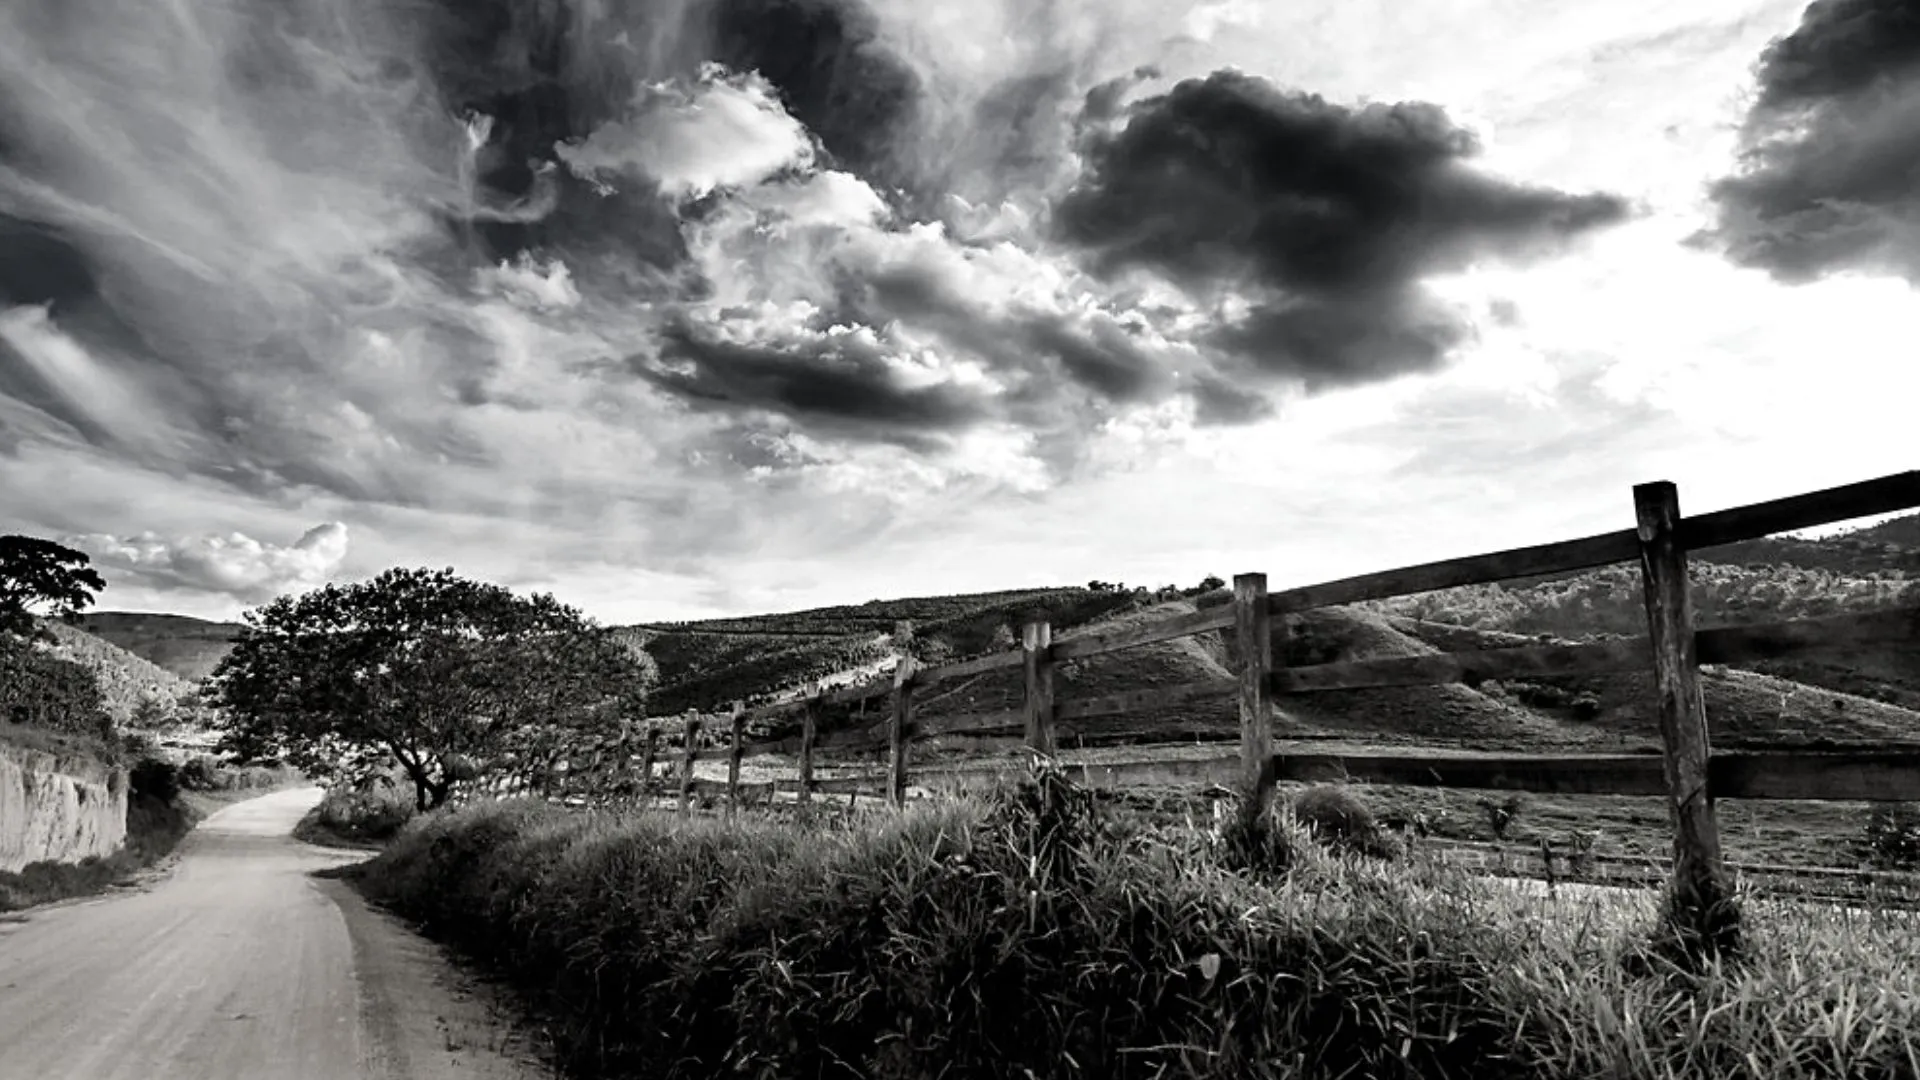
{"x": 424, "y": 669}
{"x": 36, "y": 572}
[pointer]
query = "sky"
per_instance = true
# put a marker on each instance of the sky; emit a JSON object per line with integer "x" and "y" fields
{"x": 691, "y": 308}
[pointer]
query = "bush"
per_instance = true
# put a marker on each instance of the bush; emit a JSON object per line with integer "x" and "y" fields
{"x": 201, "y": 773}
{"x": 1335, "y": 816}
{"x": 50, "y": 692}
{"x": 1586, "y": 707}
{"x": 374, "y": 814}
{"x": 154, "y": 778}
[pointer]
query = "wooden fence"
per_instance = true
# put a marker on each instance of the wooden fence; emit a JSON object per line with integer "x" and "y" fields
{"x": 1688, "y": 773}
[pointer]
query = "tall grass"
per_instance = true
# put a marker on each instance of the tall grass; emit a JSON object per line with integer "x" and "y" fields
{"x": 1032, "y": 935}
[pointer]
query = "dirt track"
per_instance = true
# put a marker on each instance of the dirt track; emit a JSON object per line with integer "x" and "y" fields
{"x": 240, "y": 963}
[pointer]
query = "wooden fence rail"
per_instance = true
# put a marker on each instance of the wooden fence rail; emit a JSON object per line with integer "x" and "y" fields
{"x": 1689, "y": 773}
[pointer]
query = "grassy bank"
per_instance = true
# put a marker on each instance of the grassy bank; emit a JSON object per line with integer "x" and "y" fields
{"x": 1030, "y": 937}
{"x": 160, "y": 813}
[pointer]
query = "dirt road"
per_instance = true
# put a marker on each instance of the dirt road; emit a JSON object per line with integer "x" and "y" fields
{"x": 239, "y": 963}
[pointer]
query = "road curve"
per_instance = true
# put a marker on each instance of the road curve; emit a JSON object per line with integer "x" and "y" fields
{"x": 240, "y": 963}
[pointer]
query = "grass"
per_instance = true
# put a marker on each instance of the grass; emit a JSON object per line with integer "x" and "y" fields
{"x": 1035, "y": 934}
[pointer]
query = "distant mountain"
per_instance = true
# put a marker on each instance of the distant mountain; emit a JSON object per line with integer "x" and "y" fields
{"x": 185, "y": 646}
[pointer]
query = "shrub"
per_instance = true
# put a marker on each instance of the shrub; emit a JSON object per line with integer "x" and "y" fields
{"x": 154, "y": 778}
{"x": 1336, "y": 816}
{"x": 201, "y": 773}
{"x": 1586, "y": 707}
{"x": 376, "y": 813}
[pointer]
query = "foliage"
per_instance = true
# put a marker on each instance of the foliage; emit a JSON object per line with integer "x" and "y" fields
{"x": 36, "y": 574}
{"x": 369, "y": 813}
{"x": 1335, "y": 815}
{"x": 937, "y": 943}
{"x": 41, "y": 689}
{"x": 423, "y": 669}
{"x": 127, "y": 682}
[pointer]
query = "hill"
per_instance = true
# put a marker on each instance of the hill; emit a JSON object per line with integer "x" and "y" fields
{"x": 1608, "y": 602}
{"x": 125, "y": 679}
{"x": 187, "y": 647}
{"x": 705, "y": 665}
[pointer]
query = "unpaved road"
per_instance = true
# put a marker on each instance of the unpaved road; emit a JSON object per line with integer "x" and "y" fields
{"x": 240, "y": 963}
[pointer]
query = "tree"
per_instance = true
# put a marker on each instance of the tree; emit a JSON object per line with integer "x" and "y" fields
{"x": 35, "y": 572}
{"x": 425, "y": 670}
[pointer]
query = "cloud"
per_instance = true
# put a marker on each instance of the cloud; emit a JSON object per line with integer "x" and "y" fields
{"x": 1323, "y": 218}
{"x": 235, "y": 564}
{"x": 834, "y": 74}
{"x": 1828, "y": 149}
{"x": 726, "y": 131}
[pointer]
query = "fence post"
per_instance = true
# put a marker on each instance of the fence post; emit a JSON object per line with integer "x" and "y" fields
{"x": 736, "y": 748}
{"x": 899, "y": 731}
{"x": 809, "y": 731}
{"x": 647, "y": 753}
{"x": 1702, "y": 908}
{"x": 686, "y": 765}
{"x": 1036, "y": 648}
{"x": 1253, "y": 636}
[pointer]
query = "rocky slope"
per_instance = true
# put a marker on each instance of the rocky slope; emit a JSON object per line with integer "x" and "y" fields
{"x": 58, "y": 808}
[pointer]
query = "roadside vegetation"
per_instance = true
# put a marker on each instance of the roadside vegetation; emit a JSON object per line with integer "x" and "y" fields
{"x": 361, "y": 816}
{"x": 1037, "y": 934}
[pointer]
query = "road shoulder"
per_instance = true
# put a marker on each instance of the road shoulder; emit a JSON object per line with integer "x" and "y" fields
{"x": 422, "y": 1016}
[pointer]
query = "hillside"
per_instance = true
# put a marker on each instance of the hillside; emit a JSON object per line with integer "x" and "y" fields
{"x": 187, "y": 647}
{"x": 1608, "y": 601}
{"x": 705, "y": 665}
{"x": 125, "y": 679}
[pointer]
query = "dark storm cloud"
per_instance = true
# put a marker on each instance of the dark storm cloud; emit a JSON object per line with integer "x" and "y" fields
{"x": 38, "y": 265}
{"x": 1830, "y": 148}
{"x": 1326, "y": 217}
{"x": 840, "y": 382}
{"x": 832, "y": 71}
{"x": 1094, "y": 353}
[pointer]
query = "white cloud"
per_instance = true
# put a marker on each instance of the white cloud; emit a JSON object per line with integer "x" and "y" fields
{"x": 528, "y": 283}
{"x": 234, "y": 564}
{"x": 727, "y": 131}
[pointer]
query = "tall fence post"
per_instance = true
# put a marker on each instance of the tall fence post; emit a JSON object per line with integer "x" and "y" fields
{"x": 1253, "y": 637}
{"x": 647, "y": 753}
{"x": 899, "y": 731}
{"x": 1036, "y": 648}
{"x": 809, "y": 732}
{"x": 686, "y": 764}
{"x": 736, "y": 748}
{"x": 1702, "y": 906}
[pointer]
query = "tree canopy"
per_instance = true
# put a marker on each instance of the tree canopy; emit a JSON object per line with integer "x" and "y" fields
{"x": 441, "y": 675}
{"x": 36, "y": 573}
